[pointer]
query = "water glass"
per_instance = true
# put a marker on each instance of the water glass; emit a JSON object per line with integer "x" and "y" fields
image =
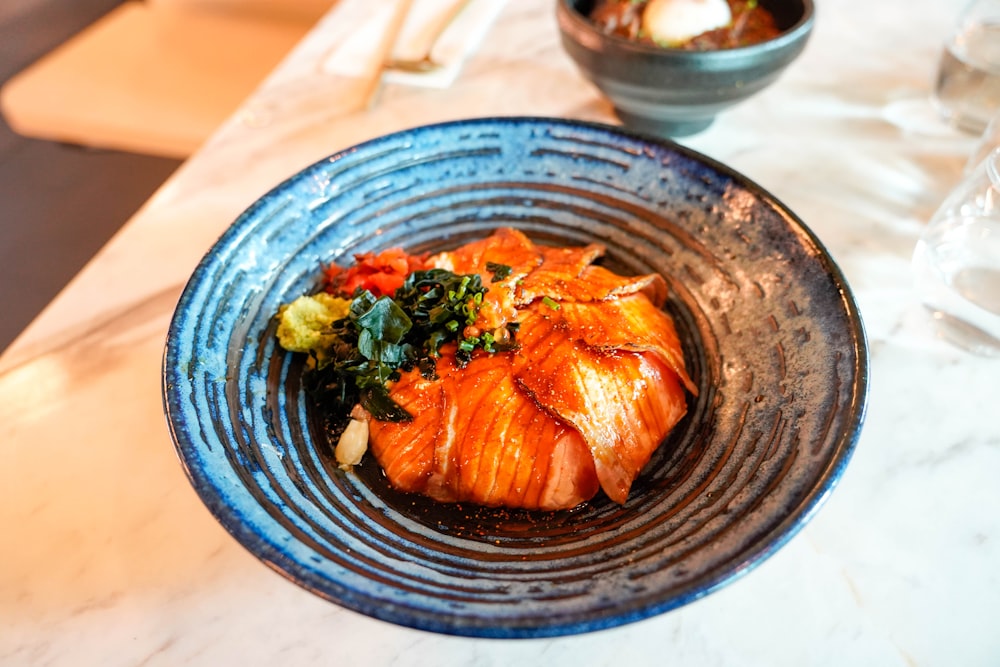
{"x": 967, "y": 90}
{"x": 956, "y": 262}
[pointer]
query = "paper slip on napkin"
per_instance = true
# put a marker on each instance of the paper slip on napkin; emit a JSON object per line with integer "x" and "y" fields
{"x": 422, "y": 30}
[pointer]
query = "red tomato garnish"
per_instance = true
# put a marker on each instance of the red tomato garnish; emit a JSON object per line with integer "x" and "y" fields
{"x": 381, "y": 274}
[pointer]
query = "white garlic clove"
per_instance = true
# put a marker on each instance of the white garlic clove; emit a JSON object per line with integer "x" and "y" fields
{"x": 352, "y": 445}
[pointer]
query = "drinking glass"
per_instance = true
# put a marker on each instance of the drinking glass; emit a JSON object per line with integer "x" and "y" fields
{"x": 967, "y": 90}
{"x": 956, "y": 262}
{"x": 985, "y": 145}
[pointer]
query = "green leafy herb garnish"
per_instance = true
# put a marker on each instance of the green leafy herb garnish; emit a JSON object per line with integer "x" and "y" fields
{"x": 381, "y": 336}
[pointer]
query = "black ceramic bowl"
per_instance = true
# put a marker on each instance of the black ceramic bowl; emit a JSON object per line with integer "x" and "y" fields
{"x": 675, "y": 92}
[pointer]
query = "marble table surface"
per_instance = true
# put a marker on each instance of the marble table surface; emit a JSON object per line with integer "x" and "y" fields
{"x": 107, "y": 556}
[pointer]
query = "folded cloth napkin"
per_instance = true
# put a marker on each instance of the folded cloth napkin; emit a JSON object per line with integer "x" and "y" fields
{"x": 450, "y": 30}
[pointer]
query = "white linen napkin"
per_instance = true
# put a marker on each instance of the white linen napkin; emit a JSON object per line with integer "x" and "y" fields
{"x": 421, "y": 30}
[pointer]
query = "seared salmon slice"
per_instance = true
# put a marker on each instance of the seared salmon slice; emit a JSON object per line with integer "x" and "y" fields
{"x": 623, "y": 403}
{"x": 505, "y": 246}
{"x": 561, "y": 282}
{"x": 479, "y": 438}
{"x": 628, "y": 323}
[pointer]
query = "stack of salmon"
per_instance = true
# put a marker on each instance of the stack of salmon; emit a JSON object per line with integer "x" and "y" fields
{"x": 595, "y": 383}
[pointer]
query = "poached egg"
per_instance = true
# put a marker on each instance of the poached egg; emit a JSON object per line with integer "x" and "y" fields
{"x": 676, "y": 21}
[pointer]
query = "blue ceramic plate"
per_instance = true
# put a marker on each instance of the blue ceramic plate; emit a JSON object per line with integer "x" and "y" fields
{"x": 770, "y": 330}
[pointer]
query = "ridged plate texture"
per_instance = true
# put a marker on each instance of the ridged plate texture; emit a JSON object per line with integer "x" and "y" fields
{"x": 771, "y": 334}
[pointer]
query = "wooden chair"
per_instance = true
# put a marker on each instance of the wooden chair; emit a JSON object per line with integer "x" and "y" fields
{"x": 156, "y": 76}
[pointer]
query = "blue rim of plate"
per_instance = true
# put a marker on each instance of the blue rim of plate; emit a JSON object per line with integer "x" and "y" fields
{"x": 770, "y": 330}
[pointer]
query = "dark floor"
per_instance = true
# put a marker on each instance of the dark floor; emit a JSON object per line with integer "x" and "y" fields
{"x": 58, "y": 204}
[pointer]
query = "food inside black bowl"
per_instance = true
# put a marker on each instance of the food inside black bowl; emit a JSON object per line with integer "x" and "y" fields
{"x": 670, "y": 66}
{"x": 697, "y": 25}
